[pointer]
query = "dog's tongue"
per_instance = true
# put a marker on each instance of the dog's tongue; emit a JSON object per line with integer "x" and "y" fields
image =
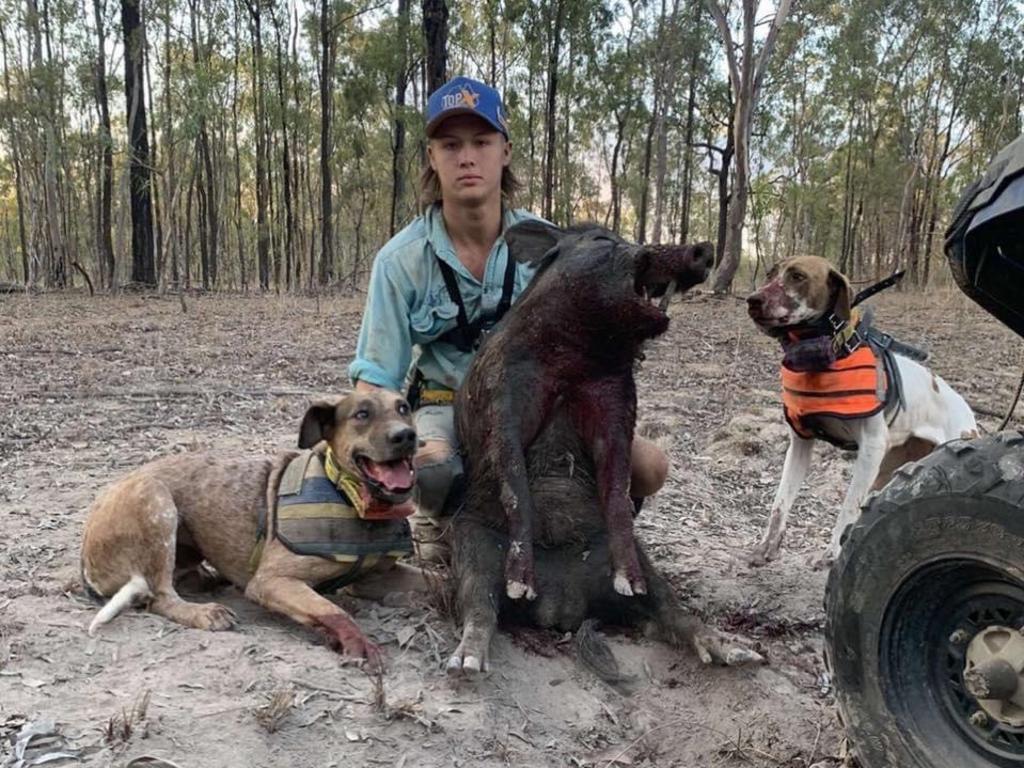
{"x": 393, "y": 475}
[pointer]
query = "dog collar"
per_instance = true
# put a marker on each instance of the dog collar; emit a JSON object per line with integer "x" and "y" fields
{"x": 845, "y": 336}
{"x": 352, "y": 488}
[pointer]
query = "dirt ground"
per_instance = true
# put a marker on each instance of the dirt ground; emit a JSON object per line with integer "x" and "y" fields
{"x": 90, "y": 388}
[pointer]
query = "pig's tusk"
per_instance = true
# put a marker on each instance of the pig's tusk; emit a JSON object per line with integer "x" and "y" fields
{"x": 668, "y": 296}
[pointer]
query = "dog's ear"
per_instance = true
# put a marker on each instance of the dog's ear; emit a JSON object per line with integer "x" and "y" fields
{"x": 531, "y": 240}
{"x": 319, "y": 422}
{"x": 839, "y": 287}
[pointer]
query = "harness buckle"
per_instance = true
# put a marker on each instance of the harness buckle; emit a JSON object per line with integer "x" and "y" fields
{"x": 837, "y": 323}
{"x": 853, "y": 343}
{"x": 883, "y": 340}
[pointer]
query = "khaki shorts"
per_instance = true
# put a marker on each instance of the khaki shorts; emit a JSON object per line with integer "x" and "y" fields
{"x": 436, "y": 478}
{"x": 436, "y": 422}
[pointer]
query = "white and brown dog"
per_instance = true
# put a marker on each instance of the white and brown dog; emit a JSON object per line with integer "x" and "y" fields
{"x": 841, "y": 384}
{"x": 281, "y": 527}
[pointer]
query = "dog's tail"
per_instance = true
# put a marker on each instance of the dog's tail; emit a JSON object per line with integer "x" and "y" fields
{"x": 135, "y": 589}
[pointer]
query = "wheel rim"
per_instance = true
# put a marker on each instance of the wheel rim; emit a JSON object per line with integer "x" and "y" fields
{"x": 927, "y": 635}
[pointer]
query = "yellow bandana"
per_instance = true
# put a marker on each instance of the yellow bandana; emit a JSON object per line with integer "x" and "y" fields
{"x": 352, "y": 487}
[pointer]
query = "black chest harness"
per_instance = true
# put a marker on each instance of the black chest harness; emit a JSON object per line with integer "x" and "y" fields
{"x": 466, "y": 336}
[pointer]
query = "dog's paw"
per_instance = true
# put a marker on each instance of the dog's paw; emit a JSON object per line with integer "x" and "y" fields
{"x": 363, "y": 648}
{"x": 214, "y": 617}
{"x": 344, "y": 635}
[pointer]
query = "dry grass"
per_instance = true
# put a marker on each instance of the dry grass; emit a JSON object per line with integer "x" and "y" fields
{"x": 272, "y": 714}
{"x": 121, "y": 726}
{"x": 441, "y": 592}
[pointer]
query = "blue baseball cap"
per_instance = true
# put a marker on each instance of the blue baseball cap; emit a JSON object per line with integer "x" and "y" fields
{"x": 466, "y": 96}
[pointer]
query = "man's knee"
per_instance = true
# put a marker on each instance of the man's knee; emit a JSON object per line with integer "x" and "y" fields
{"x": 438, "y": 467}
{"x": 649, "y": 469}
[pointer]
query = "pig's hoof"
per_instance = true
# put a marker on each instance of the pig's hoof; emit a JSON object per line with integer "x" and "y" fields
{"x": 824, "y": 561}
{"x": 719, "y": 648}
{"x": 517, "y": 590}
{"x": 757, "y": 558}
{"x": 466, "y": 663}
{"x": 625, "y": 587}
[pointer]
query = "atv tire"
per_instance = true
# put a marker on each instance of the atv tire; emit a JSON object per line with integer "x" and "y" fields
{"x": 935, "y": 562}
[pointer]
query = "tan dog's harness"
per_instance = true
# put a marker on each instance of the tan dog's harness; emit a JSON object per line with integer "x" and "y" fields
{"x": 319, "y": 512}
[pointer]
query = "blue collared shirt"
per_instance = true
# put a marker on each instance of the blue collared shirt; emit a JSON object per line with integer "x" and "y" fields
{"x": 408, "y": 306}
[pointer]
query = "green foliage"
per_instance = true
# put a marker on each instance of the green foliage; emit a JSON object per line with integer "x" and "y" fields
{"x": 874, "y": 114}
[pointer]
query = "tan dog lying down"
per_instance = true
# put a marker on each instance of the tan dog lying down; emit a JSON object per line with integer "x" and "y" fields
{"x": 172, "y": 514}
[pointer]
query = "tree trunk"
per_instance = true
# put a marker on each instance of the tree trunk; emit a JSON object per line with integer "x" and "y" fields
{"x": 239, "y": 231}
{"x": 398, "y": 145}
{"x": 746, "y": 77}
{"x": 493, "y": 14}
{"x": 645, "y": 187}
{"x": 104, "y": 237}
{"x": 171, "y": 181}
{"x": 143, "y": 261}
{"x": 724, "y": 199}
{"x": 54, "y": 273}
{"x": 262, "y": 225}
{"x": 564, "y": 184}
{"x": 554, "y": 48}
{"x": 327, "y": 51}
{"x": 210, "y": 196}
{"x": 691, "y": 103}
{"x": 286, "y": 181}
{"x": 16, "y": 158}
{"x": 154, "y": 189}
{"x": 531, "y": 134}
{"x": 616, "y": 190}
{"x": 435, "y": 31}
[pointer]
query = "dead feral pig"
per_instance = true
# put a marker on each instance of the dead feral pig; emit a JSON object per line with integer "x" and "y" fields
{"x": 546, "y": 417}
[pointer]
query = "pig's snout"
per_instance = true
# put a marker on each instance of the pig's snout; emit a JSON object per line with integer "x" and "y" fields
{"x": 704, "y": 256}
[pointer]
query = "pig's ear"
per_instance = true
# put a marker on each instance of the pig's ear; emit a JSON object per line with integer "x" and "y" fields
{"x": 531, "y": 240}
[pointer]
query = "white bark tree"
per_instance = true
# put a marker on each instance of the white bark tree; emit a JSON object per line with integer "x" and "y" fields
{"x": 747, "y": 66}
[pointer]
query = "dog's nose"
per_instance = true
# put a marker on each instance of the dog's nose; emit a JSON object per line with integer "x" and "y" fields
{"x": 754, "y": 301}
{"x": 402, "y": 436}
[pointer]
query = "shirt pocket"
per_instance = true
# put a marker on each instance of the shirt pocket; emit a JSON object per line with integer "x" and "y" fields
{"x": 430, "y": 322}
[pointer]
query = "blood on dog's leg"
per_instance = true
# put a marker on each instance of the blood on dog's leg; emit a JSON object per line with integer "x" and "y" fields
{"x": 794, "y": 470}
{"x": 297, "y": 600}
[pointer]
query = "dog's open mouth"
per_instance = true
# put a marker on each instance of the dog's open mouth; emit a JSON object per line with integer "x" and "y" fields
{"x": 391, "y": 480}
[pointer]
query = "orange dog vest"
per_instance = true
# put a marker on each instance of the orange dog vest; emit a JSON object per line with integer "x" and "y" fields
{"x": 852, "y": 387}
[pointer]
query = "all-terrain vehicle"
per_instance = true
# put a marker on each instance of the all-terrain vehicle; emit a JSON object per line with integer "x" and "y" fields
{"x": 925, "y": 605}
